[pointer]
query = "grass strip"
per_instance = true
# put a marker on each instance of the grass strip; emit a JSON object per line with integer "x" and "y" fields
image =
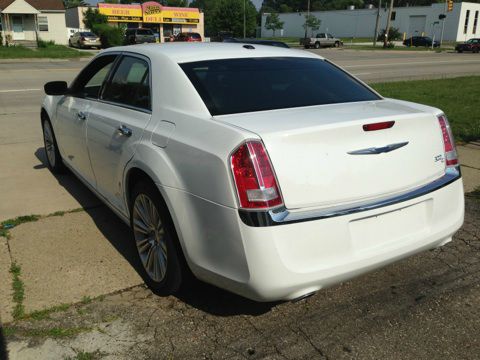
{"x": 49, "y": 51}
{"x": 457, "y": 97}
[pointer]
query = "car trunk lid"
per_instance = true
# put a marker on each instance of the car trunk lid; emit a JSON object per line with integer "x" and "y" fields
{"x": 322, "y": 155}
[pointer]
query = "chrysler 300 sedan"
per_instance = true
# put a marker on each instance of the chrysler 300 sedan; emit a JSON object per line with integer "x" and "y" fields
{"x": 269, "y": 172}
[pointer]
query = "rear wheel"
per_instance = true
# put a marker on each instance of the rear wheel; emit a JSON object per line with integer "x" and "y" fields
{"x": 156, "y": 240}
{"x": 54, "y": 160}
{"x": 317, "y": 45}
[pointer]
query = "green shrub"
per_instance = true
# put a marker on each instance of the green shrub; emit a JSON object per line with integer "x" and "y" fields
{"x": 44, "y": 44}
{"x": 109, "y": 36}
{"x": 1, "y": 39}
{"x": 393, "y": 34}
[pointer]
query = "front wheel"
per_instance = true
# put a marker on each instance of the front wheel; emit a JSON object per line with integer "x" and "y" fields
{"x": 317, "y": 45}
{"x": 156, "y": 240}
{"x": 337, "y": 44}
{"x": 54, "y": 160}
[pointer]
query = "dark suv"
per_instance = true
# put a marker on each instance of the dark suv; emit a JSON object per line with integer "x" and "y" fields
{"x": 139, "y": 36}
{"x": 420, "y": 41}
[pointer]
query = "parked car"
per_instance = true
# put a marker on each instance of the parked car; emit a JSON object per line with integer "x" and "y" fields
{"x": 321, "y": 40}
{"x": 189, "y": 37}
{"x": 139, "y": 36}
{"x": 420, "y": 41}
{"x": 472, "y": 45}
{"x": 84, "y": 39}
{"x": 262, "y": 42}
{"x": 281, "y": 175}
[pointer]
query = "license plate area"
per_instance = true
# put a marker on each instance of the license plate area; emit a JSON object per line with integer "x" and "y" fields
{"x": 391, "y": 228}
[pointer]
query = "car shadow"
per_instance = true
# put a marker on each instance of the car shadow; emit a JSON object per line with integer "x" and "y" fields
{"x": 200, "y": 295}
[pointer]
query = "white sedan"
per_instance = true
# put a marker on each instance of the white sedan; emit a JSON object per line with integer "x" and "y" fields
{"x": 269, "y": 172}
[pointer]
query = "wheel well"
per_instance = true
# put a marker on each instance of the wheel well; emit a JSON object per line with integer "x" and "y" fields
{"x": 133, "y": 177}
{"x": 43, "y": 115}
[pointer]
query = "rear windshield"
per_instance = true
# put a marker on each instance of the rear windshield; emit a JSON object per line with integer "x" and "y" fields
{"x": 89, "y": 34}
{"x": 194, "y": 35}
{"x": 255, "y": 84}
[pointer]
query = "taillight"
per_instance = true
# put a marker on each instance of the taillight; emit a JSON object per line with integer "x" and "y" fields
{"x": 451, "y": 158}
{"x": 378, "y": 126}
{"x": 254, "y": 178}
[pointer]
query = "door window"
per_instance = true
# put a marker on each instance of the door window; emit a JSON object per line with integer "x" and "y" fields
{"x": 130, "y": 84}
{"x": 92, "y": 78}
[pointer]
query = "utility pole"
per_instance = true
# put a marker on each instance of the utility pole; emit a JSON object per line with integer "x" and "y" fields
{"x": 377, "y": 23}
{"x": 306, "y": 20}
{"x": 244, "y": 19}
{"x": 387, "y": 30}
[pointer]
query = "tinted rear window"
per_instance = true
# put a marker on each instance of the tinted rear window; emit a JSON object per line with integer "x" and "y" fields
{"x": 255, "y": 84}
{"x": 89, "y": 34}
{"x": 194, "y": 35}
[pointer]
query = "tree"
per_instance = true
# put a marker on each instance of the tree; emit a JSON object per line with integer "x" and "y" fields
{"x": 92, "y": 17}
{"x": 311, "y": 22}
{"x": 272, "y": 22}
{"x": 227, "y": 16}
{"x": 74, "y": 3}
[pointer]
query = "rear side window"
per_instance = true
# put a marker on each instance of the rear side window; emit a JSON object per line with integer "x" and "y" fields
{"x": 255, "y": 84}
{"x": 195, "y": 36}
{"x": 130, "y": 84}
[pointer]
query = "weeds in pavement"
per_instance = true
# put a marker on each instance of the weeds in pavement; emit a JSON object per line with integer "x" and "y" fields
{"x": 45, "y": 313}
{"x": 82, "y": 355}
{"x": 54, "y": 332}
{"x": 18, "y": 291}
{"x": 6, "y": 225}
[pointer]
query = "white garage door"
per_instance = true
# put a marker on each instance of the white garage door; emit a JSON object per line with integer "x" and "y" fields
{"x": 417, "y": 25}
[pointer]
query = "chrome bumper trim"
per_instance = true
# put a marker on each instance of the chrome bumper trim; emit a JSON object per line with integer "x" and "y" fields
{"x": 282, "y": 216}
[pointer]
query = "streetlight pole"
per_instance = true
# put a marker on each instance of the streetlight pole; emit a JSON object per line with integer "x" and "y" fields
{"x": 443, "y": 23}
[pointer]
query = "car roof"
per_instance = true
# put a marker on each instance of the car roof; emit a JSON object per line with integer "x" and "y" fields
{"x": 190, "y": 52}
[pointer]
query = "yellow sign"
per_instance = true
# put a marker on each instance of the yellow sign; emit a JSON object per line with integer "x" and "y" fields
{"x": 121, "y": 13}
{"x": 153, "y": 12}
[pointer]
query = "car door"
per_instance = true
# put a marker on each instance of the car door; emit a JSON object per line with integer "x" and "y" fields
{"x": 330, "y": 41}
{"x": 73, "y": 112}
{"x": 116, "y": 124}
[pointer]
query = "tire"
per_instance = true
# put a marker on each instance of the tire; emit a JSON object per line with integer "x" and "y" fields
{"x": 337, "y": 44}
{"x": 54, "y": 159}
{"x": 163, "y": 267}
{"x": 460, "y": 51}
{"x": 306, "y": 47}
{"x": 70, "y": 43}
{"x": 317, "y": 45}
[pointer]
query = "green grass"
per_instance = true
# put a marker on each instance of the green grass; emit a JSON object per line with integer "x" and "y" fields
{"x": 49, "y": 51}
{"x": 53, "y": 332}
{"x": 18, "y": 291}
{"x": 457, "y": 97}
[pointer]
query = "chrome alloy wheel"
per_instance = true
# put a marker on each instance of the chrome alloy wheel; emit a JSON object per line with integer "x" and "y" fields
{"x": 149, "y": 236}
{"x": 49, "y": 143}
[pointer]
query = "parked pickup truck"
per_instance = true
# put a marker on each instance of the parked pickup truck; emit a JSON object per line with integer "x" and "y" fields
{"x": 321, "y": 40}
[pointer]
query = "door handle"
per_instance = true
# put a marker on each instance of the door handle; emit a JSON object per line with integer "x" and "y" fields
{"x": 81, "y": 115}
{"x": 125, "y": 131}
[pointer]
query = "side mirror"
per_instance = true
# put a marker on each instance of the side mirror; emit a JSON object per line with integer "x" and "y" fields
{"x": 56, "y": 88}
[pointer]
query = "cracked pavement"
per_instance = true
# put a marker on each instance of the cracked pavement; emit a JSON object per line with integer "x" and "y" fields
{"x": 427, "y": 306}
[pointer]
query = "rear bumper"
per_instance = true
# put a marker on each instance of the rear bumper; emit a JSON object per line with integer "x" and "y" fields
{"x": 286, "y": 262}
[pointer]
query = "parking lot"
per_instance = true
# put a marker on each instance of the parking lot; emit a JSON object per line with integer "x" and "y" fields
{"x": 80, "y": 255}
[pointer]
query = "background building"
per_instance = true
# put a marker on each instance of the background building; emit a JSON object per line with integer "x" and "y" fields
{"x": 24, "y": 21}
{"x": 163, "y": 20}
{"x": 460, "y": 24}
{"x": 74, "y": 19}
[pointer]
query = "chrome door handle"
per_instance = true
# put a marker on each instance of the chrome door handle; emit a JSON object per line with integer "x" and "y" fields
{"x": 81, "y": 115}
{"x": 125, "y": 131}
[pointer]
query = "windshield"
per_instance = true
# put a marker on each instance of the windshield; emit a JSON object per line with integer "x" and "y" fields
{"x": 255, "y": 84}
